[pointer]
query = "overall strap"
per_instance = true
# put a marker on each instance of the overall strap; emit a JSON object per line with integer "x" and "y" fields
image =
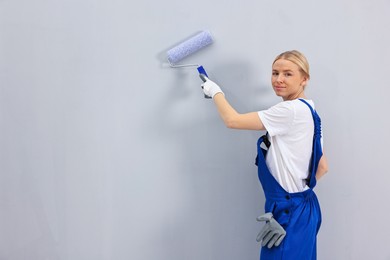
{"x": 317, "y": 148}
{"x": 316, "y": 119}
{"x": 304, "y": 101}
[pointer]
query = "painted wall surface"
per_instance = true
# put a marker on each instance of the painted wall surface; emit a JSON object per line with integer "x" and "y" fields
{"x": 107, "y": 153}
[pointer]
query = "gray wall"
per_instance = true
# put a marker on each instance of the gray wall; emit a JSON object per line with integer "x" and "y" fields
{"x": 106, "y": 153}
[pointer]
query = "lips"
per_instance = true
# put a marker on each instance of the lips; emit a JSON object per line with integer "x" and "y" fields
{"x": 278, "y": 87}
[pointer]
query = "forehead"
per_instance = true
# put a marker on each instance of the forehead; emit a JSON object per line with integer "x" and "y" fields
{"x": 282, "y": 65}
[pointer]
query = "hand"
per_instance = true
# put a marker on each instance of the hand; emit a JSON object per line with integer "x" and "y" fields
{"x": 272, "y": 233}
{"x": 210, "y": 88}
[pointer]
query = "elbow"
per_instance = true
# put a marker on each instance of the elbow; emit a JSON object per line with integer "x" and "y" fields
{"x": 324, "y": 168}
{"x": 323, "y": 165}
{"x": 321, "y": 171}
{"x": 229, "y": 125}
{"x": 230, "y": 122}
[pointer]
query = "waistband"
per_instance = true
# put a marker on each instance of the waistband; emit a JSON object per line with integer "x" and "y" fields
{"x": 285, "y": 195}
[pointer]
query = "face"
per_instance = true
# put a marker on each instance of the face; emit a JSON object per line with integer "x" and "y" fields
{"x": 287, "y": 80}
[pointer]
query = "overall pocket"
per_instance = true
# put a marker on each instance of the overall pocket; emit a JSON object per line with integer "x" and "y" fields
{"x": 282, "y": 212}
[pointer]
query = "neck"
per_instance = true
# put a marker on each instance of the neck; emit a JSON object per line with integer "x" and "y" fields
{"x": 300, "y": 94}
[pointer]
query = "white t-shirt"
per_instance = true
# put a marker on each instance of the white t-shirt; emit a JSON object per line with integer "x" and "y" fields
{"x": 290, "y": 128}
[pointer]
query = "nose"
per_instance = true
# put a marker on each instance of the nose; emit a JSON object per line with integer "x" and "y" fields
{"x": 280, "y": 78}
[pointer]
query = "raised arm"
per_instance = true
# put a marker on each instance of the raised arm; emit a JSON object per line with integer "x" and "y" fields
{"x": 235, "y": 120}
{"x": 231, "y": 118}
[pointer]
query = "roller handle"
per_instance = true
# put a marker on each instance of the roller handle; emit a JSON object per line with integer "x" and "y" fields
{"x": 203, "y": 75}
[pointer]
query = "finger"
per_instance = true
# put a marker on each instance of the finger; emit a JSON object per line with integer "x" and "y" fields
{"x": 261, "y": 235}
{"x": 275, "y": 238}
{"x": 258, "y": 238}
{"x": 267, "y": 238}
{"x": 264, "y": 231}
{"x": 261, "y": 218}
{"x": 264, "y": 217}
{"x": 280, "y": 239}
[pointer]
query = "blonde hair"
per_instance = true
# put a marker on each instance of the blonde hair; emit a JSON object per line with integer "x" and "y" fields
{"x": 298, "y": 58}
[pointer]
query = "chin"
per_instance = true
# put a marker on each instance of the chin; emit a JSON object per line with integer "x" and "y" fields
{"x": 279, "y": 94}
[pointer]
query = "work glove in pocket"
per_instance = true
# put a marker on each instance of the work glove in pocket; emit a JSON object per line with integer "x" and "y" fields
{"x": 272, "y": 233}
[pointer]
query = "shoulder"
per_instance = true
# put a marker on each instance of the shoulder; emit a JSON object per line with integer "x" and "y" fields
{"x": 284, "y": 107}
{"x": 290, "y": 107}
{"x": 303, "y": 103}
{"x": 278, "y": 118}
{"x": 304, "y": 107}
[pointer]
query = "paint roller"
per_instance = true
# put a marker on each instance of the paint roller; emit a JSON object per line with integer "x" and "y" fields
{"x": 188, "y": 47}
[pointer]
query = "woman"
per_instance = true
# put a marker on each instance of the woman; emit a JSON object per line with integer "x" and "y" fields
{"x": 290, "y": 159}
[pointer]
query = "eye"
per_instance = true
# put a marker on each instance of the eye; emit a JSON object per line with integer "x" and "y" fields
{"x": 275, "y": 73}
{"x": 288, "y": 74}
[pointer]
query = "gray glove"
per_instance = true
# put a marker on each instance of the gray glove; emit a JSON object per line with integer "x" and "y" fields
{"x": 272, "y": 232}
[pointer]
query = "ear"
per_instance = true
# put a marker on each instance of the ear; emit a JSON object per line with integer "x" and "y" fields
{"x": 304, "y": 81}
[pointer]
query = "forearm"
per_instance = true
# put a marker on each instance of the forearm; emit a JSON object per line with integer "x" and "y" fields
{"x": 235, "y": 120}
{"x": 225, "y": 110}
{"x": 232, "y": 119}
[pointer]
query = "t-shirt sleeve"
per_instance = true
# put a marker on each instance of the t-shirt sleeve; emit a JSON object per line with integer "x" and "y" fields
{"x": 278, "y": 119}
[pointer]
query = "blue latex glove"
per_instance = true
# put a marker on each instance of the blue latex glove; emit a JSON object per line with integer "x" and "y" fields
{"x": 272, "y": 233}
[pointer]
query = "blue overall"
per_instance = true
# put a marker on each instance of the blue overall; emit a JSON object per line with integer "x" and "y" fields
{"x": 299, "y": 213}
